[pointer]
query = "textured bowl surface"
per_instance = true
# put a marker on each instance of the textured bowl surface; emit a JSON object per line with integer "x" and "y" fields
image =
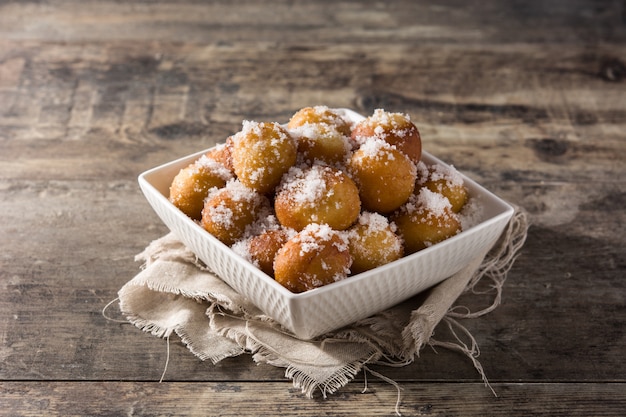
{"x": 324, "y": 309}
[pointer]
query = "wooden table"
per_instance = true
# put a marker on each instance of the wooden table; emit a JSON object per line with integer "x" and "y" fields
{"x": 528, "y": 98}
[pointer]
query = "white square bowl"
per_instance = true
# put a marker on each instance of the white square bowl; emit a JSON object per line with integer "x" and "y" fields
{"x": 315, "y": 312}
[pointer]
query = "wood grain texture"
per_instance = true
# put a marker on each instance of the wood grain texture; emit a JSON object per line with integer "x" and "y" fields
{"x": 527, "y": 98}
{"x": 208, "y": 399}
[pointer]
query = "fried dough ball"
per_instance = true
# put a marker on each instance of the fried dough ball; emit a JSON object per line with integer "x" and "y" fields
{"x": 317, "y": 194}
{"x": 425, "y": 220}
{"x": 222, "y": 153}
{"x": 262, "y": 153}
{"x": 229, "y": 210}
{"x": 316, "y": 256}
{"x": 191, "y": 185}
{"x": 386, "y": 176}
{"x": 261, "y": 242}
{"x": 264, "y": 247}
{"x": 321, "y": 142}
{"x": 394, "y": 128}
{"x": 319, "y": 115}
{"x": 447, "y": 181}
{"x": 373, "y": 242}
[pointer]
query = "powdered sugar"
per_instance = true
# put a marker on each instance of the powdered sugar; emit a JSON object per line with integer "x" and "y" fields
{"x": 471, "y": 214}
{"x": 429, "y": 205}
{"x": 305, "y": 186}
{"x": 314, "y": 235}
{"x": 380, "y": 227}
{"x": 221, "y": 213}
{"x": 385, "y": 123}
{"x": 446, "y": 173}
{"x": 375, "y": 221}
{"x": 422, "y": 172}
{"x": 375, "y": 148}
{"x": 434, "y": 202}
{"x": 250, "y": 128}
{"x": 242, "y": 248}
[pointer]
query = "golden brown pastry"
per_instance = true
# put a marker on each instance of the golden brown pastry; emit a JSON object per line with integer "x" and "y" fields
{"x": 191, "y": 185}
{"x": 316, "y": 256}
{"x": 315, "y": 201}
{"x": 385, "y": 176}
{"x": 373, "y": 242}
{"x": 319, "y": 115}
{"x": 317, "y": 194}
{"x": 262, "y": 153}
{"x": 263, "y": 248}
{"x": 322, "y": 143}
{"x": 229, "y": 210}
{"x": 447, "y": 181}
{"x": 394, "y": 128}
{"x": 427, "y": 218}
{"x": 222, "y": 153}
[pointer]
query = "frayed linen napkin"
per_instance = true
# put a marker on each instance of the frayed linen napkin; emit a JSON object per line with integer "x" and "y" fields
{"x": 176, "y": 293}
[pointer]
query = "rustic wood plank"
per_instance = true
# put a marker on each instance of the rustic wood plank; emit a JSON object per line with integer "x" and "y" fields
{"x": 565, "y": 127}
{"x": 242, "y": 398}
{"x": 324, "y": 21}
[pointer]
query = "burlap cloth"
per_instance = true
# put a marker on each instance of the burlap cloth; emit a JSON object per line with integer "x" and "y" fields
{"x": 175, "y": 293}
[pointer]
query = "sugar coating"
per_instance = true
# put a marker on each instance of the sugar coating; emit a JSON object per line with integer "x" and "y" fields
{"x": 439, "y": 172}
{"x": 434, "y": 204}
{"x": 267, "y": 221}
{"x": 324, "y": 115}
{"x": 422, "y": 172}
{"x": 215, "y": 167}
{"x": 306, "y": 186}
{"x": 310, "y": 132}
{"x": 262, "y": 153}
{"x": 375, "y": 221}
{"x": 385, "y": 123}
{"x": 242, "y": 248}
{"x": 379, "y": 225}
{"x": 471, "y": 214}
{"x": 222, "y": 214}
{"x": 250, "y": 127}
{"x": 376, "y": 148}
{"x": 314, "y": 234}
{"x": 384, "y": 117}
{"x": 325, "y": 110}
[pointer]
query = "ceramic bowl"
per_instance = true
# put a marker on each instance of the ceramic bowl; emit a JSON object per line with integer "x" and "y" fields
{"x": 315, "y": 312}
